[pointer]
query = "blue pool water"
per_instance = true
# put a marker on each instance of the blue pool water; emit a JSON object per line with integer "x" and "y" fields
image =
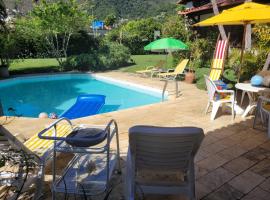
{"x": 30, "y": 96}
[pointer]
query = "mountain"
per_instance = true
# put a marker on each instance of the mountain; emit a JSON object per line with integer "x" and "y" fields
{"x": 128, "y": 9}
{"x": 132, "y": 8}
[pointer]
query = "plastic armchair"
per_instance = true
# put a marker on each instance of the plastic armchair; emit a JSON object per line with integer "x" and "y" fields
{"x": 213, "y": 92}
{"x": 263, "y": 111}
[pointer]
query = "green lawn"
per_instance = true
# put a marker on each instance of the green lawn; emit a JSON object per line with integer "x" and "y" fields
{"x": 143, "y": 61}
{"x": 40, "y": 65}
{"x": 33, "y": 66}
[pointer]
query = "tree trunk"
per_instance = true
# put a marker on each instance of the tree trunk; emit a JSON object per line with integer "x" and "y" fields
{"x": 220, "y": 27}
{"x": 267, "y": 63}
{"x": 248, "y": 34}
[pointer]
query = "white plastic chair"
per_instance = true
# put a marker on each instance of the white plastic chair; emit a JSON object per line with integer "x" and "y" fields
{"x": 263, "y": 112}
{"x": 158, "y": 152}
{"x": 212, "y": 90}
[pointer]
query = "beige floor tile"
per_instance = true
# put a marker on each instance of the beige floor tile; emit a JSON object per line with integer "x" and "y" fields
{"x": 216, "y": 178}
{"x": 257, "y": 194}
{"x": 212, "y": 162}
{"x": 238, "y": 165}
{"x": 246, "y": 181}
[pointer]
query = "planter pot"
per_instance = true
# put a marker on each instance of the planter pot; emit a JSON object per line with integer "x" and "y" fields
{"x": 190, "y": 77}
{"x": 4, "y": 73}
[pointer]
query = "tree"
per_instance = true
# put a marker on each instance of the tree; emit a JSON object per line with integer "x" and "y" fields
{"x": 175, "y": 27}
{"x": 216, "y": 12}
{"x": 3, "y": 15}
{"x": 110, "y": 20}
{"x": 56, "y": 22}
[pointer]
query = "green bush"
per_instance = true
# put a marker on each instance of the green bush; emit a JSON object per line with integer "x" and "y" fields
{"x": 113, "y": 55}
{"x": 253, "y": 62}
{"x": 109, "y": 56}
{"x": 199, "y": 74}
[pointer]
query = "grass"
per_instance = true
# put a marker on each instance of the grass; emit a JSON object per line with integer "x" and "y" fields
{"x": 40, "y": 65}
{"x": 34, "y": 66}
{"x": 143, "y": 61}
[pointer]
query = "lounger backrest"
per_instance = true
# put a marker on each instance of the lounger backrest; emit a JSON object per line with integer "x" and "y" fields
{"x": 181, "y": 66}
{"x": 218, "y": 59}
{"x": 211, "y": 87}
{"x": 164, "y": 148}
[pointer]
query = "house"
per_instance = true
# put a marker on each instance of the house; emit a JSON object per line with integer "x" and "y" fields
{"x": 198, "y": 10}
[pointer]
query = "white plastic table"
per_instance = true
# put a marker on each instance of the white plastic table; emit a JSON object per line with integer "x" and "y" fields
{"x": 252, "y": 93}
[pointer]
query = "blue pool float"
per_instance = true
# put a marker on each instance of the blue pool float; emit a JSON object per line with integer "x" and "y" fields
{"x": 256, "y": 80}
{"x": 85, "y": 105}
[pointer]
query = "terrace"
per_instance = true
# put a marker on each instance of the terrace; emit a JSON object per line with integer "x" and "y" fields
{"x": 233, "y": 161}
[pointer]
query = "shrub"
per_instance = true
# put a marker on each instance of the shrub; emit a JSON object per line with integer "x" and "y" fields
{"x": 253, "y": 62}
{"x": 113, "y": 55}
{"x": 199, "y": 74}
{"x": 110, "y": 56}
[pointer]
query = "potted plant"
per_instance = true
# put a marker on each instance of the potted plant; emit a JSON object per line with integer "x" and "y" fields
{"x": 190, "y": 74}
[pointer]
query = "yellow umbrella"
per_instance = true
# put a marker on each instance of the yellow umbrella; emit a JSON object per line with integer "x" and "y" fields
{"x": 246, "y": 13}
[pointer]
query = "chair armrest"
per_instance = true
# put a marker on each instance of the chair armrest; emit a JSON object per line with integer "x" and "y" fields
{"x": 264, "y": 98}
{"x": 226, "y": 91}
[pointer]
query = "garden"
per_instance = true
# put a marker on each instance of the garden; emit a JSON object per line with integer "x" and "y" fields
{"x": 56, "y": 37}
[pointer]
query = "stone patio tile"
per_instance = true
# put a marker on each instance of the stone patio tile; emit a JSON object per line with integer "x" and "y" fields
{"x": 212, "y": 162}
{"x": 214, "y": 148}
{"x": 246, "y": 181}
{"x": 225, "y": 192}
{"x": 250, "y": 143}
{"x": 266, "y": 145}
{"x": 199, "y": 171}
{"x": 257, "y": 194}
{"x": 256, "y": 154}
{"x": 201, "y": 190}
{"x": 201, "y": 155}
{"x": 240, "y": 136}
{"x": 262, "y": 168}
{"x": 266, "y": 185}
{"x": 232, "y": 152}
{"x": 216, "y": 178}
{"x": 238, "y": 165}
{"x": 209, "y": 139}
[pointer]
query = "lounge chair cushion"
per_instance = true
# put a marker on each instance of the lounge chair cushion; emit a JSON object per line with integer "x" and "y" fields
{"x": 86, "y": 137}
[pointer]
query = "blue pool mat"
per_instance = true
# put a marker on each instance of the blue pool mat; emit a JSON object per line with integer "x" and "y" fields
{"x": 85, "y": 105}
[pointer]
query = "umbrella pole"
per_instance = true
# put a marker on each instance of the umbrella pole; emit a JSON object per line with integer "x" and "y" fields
{"x": 242, "y": 51}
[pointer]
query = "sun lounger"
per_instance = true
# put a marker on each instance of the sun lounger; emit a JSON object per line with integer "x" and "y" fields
{"x": 40, "y": 149}
{"x": 152, "y": 69}
{"x": 160, "y": 160}
{"x": 218, "y": 62}
{"x": 177, "y": 71}
{"x": 86, "y": 105}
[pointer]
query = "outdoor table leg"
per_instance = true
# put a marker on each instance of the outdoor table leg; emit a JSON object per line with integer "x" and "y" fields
{"x": 252, "y": 104}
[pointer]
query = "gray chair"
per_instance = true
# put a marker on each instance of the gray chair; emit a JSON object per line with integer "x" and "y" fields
{"x": 263, "y": 112}
{"x": 160, "y": 160}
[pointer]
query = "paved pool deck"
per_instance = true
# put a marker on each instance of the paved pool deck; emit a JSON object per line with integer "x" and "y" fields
{"x": 233, "y": 161}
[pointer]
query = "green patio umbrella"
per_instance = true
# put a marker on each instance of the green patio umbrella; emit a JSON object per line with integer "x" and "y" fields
{"x": 166, "y": 44}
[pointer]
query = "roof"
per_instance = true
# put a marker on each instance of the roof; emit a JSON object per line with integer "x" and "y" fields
{"x": 208, "y": 6}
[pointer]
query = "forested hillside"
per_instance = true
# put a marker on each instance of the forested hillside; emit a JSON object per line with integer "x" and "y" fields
{"x": 129, "y": 9}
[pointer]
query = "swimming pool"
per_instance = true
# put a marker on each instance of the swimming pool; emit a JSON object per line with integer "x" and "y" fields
{"x": 29, "y": 96}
